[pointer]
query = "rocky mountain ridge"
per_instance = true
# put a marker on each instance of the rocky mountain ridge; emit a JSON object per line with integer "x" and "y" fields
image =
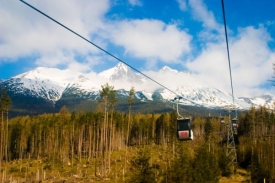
{"x": 51, "y": 84}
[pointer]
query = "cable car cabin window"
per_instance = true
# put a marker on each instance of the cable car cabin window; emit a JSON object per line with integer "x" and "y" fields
{"x": 183, "y": 124}
{"x": 184, "y": 131}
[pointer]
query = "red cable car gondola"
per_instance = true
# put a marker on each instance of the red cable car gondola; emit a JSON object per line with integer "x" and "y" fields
{"x": 184, "y": 131}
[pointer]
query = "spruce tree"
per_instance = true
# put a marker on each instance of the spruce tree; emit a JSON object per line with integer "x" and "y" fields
{"x": 208, "y": 128}
{"x": 205, "y": 166}
{"x": 143, "y": 172}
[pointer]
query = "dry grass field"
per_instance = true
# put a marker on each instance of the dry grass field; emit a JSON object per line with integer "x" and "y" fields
{"x": 241, "y": 176}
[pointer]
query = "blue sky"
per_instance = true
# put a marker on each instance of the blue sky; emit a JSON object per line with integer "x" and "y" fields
{"x": 187, "y": 35}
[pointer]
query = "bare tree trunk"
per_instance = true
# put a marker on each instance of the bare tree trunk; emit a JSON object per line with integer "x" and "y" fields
{"x": 114, "y": 144}
{"x": 110, "y": 142}
{"x": 90, "y": 142}
{"x": 153, "y": 129}
{"x": 122, "y": 135}
{"x": 80, "y": 140}
{"x": 173, "y": 149}
{"x": 6, "y": 138}
{"x": 147, "y": 134}
{"x": 139, "y": 134}
{"x": 102, "y": 148}
{"x": 72, "y": 145}
{"x": 99, "y": 132}
{"x": 95, "y": 142}
{"x": 1, "y": 142}
{"x": 106, "y": 148}
{"x": 40, "y": 141}
{"x": 6, "y": 144}
{"x": 84, "y": 146}
{"x": 127, "y": 141}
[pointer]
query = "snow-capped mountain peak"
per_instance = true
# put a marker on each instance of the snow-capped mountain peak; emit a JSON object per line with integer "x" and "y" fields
{"x": 52, "y": 83}
{"x": 167, "y": 69}
{"x": 120, "y": 68}
{"x": 122, "y": 72}
{"x": 48, "y": 83}
{"x": 53, "y": 75}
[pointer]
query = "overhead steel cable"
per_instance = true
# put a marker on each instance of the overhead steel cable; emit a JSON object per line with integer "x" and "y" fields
{"x": 228, "y": 54}
{"x": 108, "y": 53}
{"x": 231, "y": 150}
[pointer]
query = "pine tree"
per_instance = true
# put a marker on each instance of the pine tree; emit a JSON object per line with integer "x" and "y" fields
{"x": 205, "y": 166}
{"x": 143, "y": 171}
{"x": 208, "y": 128}
{"x": 181, "y": 168}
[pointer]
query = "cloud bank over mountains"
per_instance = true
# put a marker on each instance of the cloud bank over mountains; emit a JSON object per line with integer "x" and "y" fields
{"x": 143, "y": 41}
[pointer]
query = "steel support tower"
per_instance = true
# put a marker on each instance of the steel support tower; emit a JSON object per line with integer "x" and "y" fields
{"x": 231, "y": 148}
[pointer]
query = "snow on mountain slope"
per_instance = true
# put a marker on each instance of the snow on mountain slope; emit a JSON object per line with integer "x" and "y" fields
{"x": 49, "y": 83}
{"x": 266, "y": 100}
{"x": 203, "y": 96}
{"x": 84, "y": 82}
{"x": 52, "y": 83}
{"x": 39, "y": 82}
{"x": 143, "y": 95}
{"x": 53, "y": 75}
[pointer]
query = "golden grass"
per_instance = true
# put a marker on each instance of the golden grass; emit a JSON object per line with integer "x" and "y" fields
{"x": 240, "y": 176}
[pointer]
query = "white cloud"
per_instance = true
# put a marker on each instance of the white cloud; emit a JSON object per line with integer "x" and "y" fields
{"x": 82, "y": 67}
{"x": 151, "y": 39}
{"x": 182, "y": 4}
{"x": 251, "y": 62}
{"x": 135, "y": 2}
{"x": 168, "y": 80}
{"x": 201, "y": 13}
{"x": 212, "y": 29}
{"x": 269, "y": 23}
{"x": 251, "y": 58}
{"x": 54, "y": 58}
{"x": 151, "y": 64}
{"x": 26, "y": 32}
{"x": 172, "y": 80}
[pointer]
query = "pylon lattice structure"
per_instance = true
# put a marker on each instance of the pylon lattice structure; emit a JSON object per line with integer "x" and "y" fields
{"x": 231, "y": 149}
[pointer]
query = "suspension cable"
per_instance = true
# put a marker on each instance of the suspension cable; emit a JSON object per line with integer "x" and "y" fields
{"x": 228, "y": 55}
{"x": 108, "y": 53}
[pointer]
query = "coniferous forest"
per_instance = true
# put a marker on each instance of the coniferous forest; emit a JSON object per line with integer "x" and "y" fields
{"x": 105, "y": 145}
